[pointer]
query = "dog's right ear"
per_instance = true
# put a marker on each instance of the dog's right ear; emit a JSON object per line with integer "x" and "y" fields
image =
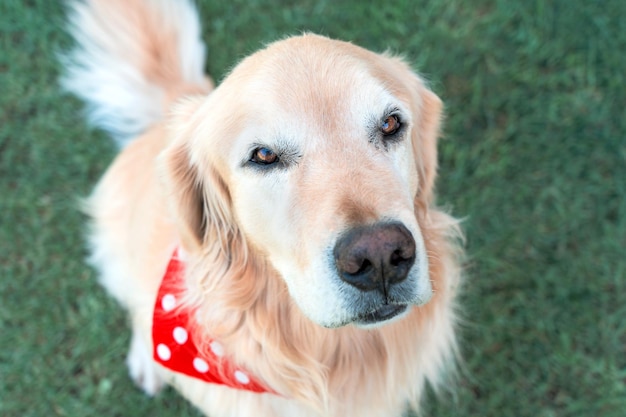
{"x": 198, "y": 197}
{"x": 185, "y": 196}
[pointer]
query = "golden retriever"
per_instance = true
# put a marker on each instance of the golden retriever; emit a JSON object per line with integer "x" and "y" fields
{"x": 298, "y": 197}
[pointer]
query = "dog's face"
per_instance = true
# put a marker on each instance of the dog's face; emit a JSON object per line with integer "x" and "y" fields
{"x": 319, "y": 154}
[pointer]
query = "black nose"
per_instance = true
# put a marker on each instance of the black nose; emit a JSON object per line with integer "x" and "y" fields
{"x": 375, "y": 257}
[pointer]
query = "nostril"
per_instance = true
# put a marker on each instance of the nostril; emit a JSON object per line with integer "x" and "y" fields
{"x": 398, "y": 257}
{"x": 366, "y": 265}
{"x": 356, "y": 268}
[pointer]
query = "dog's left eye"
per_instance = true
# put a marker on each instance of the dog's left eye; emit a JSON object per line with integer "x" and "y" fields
{"x": 264, "y": 156}
{"x": 390, "y": 125}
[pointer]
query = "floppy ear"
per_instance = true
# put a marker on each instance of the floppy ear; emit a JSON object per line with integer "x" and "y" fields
{"x": 198, "y": 197}
{"x": 428, "y": 110}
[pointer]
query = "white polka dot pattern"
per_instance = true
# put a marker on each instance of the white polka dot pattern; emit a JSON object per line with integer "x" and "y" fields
{"x": 242, "y": 377}
{"x": 168, "y": 302}
{"x": 164, "y": 352}
{"x": 180, "y": 335}
{"x": 200, "y": 365}
{"x": 217, "y": 348}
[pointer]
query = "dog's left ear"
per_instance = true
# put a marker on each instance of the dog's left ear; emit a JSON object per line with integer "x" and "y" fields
{"x": 427, "y": 109}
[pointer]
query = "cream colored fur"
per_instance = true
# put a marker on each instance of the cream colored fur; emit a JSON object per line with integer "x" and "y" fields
{"x": 257, "y": 243}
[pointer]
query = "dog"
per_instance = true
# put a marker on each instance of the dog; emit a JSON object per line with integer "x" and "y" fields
{"x": 275, "y": 240}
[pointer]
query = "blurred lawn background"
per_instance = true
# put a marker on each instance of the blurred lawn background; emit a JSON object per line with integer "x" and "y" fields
{"x": 534, "y": 157}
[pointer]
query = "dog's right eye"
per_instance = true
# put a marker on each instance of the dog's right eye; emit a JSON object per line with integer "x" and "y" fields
{"x": 264, "y": 156}
{"x": 391, "y": 125}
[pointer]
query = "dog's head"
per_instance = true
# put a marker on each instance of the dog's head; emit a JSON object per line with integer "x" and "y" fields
{"x": 320, "y": 157}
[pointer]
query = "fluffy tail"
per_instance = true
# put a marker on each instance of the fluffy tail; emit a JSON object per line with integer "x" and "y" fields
{"x": 132, "y": 60}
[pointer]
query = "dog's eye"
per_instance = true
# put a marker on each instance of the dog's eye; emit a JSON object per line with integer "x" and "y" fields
{"x": 390, "y": 125}
{"x": 264, "y": 156}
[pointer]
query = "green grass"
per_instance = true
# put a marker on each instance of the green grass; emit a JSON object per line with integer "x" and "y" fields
{"x": 534, "y": 158}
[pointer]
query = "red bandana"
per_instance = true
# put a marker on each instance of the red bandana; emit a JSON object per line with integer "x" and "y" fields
{"x": 173, "y": 346}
